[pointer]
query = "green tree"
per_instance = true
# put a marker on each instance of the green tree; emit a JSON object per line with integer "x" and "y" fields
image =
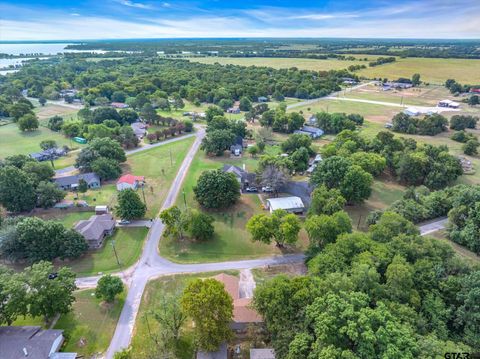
{"x": 200, "y": 225}
{"x": 48, "y": 144}
{"x": 473, "y": 100}
{"x": 72, "y": 128}
{"x": 28, "y": 122}
{"x": 212, "y": 112}
{"x": 175, "y": 222}
{"x": 82, "y": 186}
{"x": 130, "y": 206}
{"x": 280, "y": 226}
{"x": 106, "y": 168}
{"x": 296, "y": 141}
{"x": 470, "y": 148}
{"x": 245, "y": 104}
{"x": 216, "y": 189}
{"x": 17, "y": 193}
{"x": 217, "y": 141}
{"x": 467, "y": 315}
{"x": 13, "y": 294}
{"x": 391, "y": 225}
{"x": 170, "y": 316}
{"x": 325, "y": 201}
{"x": 48, "y": 194}
{"x": 55, "y": 123}
{"x": 38, "y": 171}
{"x": 356, "y": 185}
{"x": 108, "y": 287}
{"x": 372, "y": 163}
{"x": 324, "y": 229}
{"x": 212, "y": 326}
{"x": 123, "y": 354}
{"x": 416, "y": 80}
{"x": 48, "y": 297}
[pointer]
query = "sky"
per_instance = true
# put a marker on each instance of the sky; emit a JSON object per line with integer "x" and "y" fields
{"x": 121, "y": 19}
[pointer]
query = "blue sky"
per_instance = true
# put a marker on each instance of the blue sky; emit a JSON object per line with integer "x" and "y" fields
{"x": 107, "y": 19}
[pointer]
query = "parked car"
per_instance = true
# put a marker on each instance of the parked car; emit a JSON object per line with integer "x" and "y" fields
{"x": 124, "y": 221}
{"x": 251, "y": 189}
{"x": 267, "y": 189}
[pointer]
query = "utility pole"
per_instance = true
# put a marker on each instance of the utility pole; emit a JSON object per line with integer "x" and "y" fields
{"x": 115, "y": 251}
{"x": 143, "y": 193}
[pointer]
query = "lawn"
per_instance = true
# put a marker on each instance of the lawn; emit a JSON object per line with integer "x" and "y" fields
{"x": 68, "y": 219}
{"x": 435, "y": 71}
{"x": 159, "y": 165}
{"x": 146, "y": 327}
{"x": 50, "y": 110}
{"x": 231, "y": 240}
{"x": 89, "y": 327}
{"x": 128, "y": 244}
{"x": 280, "y": 63}
{"x": 14, "y": 142}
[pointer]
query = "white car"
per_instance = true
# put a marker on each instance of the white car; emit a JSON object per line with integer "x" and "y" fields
{"x": 267, "y": 189}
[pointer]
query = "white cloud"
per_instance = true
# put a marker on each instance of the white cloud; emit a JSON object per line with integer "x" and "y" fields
{"x": 135, "y": 4}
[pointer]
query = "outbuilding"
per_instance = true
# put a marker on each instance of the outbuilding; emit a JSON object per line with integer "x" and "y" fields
{"x": 290, "y": 204}
{"x": 448, "y": 103}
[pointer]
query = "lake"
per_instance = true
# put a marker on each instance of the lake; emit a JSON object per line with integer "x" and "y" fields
{"x": 44, "y": 48}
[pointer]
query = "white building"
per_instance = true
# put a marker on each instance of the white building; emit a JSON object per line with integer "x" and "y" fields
{"x": 290, "y": 204}
{"x": 448, "y": 103}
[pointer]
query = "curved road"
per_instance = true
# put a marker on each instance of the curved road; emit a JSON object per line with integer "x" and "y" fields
{"x": 151, "y": 265}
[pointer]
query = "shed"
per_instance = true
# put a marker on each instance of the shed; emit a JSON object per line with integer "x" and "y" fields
{"x": 80, "y": 140}
{"x": 101, "y": 209}
{"x": 290, "y": 204}
{"x": 262, "y": 354}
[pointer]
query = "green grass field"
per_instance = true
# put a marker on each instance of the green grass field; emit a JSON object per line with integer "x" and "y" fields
{"x": 68, "y": 219}
{"x": 89, "y": 327}
{"x": 280, "y": 63}
{"x": 128, "y": 244}
{"x": 14, "y": 142}
{"x": 231, "y": 241}
{"x": 435, "y": 71}
{"x": 146, "y": 327}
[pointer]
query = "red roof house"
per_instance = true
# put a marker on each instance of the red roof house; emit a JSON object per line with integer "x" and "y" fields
{"x": 129, "y": 181}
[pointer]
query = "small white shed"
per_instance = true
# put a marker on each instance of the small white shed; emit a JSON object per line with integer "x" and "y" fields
{"x": 290, "y": 204}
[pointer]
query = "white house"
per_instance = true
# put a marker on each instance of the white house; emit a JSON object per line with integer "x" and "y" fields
{"x": 290, "y": 204}
{"x": 448, "y": 103}
{"x": 130, "y": 181}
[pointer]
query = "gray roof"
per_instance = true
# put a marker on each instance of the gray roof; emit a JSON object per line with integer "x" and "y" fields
{"x": 244, "y": 176}
{"x": 286, "y": 203}
{"x": 262, "y": 354}
{"x": 37, "y": 342}
{"x": 312, "y": 129}
{"x": 221, "y": 353}
{"x": 94, "y": 227}
{"x": 64, "y": 181}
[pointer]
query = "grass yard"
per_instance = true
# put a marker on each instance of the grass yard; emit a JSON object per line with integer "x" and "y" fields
{"x": 231, "y": 241}
{"x": 50, "y": 110}
{"x": 435, "y": 71}
{"x": 460, "y": 250}
{"x": 157, "y": 167}
{"x": 128, "y": 244}
{"x": 89, "y": 327}
{"x": 146, "y": 327}
{"x": 280, "y": 63}
{"x": 14, "y": 142}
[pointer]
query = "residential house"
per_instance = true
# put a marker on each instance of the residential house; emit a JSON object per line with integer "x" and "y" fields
{"x": 68, "y": 93}
{"x": 243, "y": 177}
{"x": 139, "y": 129}
{"x": 32, "y": 342}
{"x": 415, "y": 111}
{"x": 262, "y": 354}
{"x": 292, "y": 204}
{"x": 130, "y": 181}
{"x": 119, "y": 105}
{"x": 69, "y": 183}
{"x": 49, "y": 154}
{"x": 243, "y": 313}
{"x": 262, "y": 99}
{"x": 313, "y": 163}
{"x": 95, "y": 229}
{"x": 448, "y": 103}
{"x": 313, "y": 132}
{"x": 312, "y": 120}
{"x": 399, "y": 85}
{"x": 101, "y": 210}
{"x": 349, "y": 81}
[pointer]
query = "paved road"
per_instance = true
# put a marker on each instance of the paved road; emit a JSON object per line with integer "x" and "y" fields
{"x": 315, "y": 100}
{"x": 433, "y": 226}
{"x": 145, "y": 147}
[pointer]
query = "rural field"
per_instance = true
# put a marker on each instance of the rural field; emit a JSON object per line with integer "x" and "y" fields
{"x": 434, "y": 71}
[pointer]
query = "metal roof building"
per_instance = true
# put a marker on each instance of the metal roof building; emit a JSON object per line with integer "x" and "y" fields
{"x": 290, "y": 204}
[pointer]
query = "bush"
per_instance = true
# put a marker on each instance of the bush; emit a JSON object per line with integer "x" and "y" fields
{"x": 461, "y": 122}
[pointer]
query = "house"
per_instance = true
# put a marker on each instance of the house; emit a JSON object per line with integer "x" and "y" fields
{"x": 243, "y": 177}
{"x": 32, "y": 342}
{"x": 243, "y": 314}
{"x": 313, "y": 132}
{"x": 95, "y": 229}
{"x": 313, "y": 163}
{"x": 262, "y": 99}
{"x": 234, "y": 109}
{"x": 399, "y": 85}
{"x": 290, "y": 204}
{"x": 448, "y": 103}
{"x": 262, "y": 354}
{"x": 139, "y": 129}
{"x": 130, "y": 181}
{"x": 68, "y": 183}
{"x": 415, "y": 111}
{"x": 349, "y": 81}
{"x": 68, "y": 93}
{"x": 119, "y": 105}
{"x": 49, "y": 154}
{"x": 221, "y": 353}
